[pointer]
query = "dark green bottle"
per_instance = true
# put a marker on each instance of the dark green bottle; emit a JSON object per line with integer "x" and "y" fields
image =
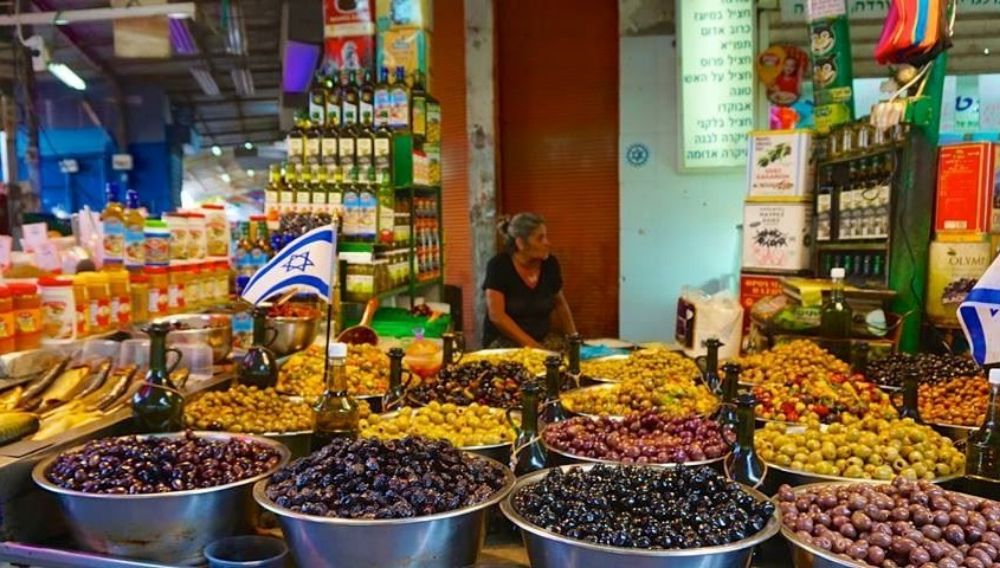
{"x": 156, "y": 406}
{"x": 710, "y": 374}
{"x": 393, "y": 398}
{"x": 746, "y": 466}
{"x": 730, "y": 383}
{"x": 529, "y": 454}
{"x": 575, "y": 341}
{"x": 553, "y": 410}
{"x": 259, "y": 366}
{"x": 911, "y": 404}
{"x": 453, "y": 345}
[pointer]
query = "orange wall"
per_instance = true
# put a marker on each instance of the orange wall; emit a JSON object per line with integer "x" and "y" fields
{"x": 558, "y": 135}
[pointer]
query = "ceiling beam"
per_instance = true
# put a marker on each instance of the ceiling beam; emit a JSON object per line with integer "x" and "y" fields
{"x": 230, "y": 100}
{"x": 273, "y": 117}
{"x": 246, "y": 130}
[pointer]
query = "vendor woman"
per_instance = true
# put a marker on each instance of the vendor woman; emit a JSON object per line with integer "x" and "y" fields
{"x": 524, "y": 299}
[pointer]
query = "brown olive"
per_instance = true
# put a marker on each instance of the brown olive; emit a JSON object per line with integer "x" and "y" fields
{"x": 919, "y": 556}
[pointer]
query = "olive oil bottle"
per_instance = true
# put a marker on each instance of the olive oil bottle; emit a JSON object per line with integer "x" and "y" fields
{"x": 337, "y": 413}
{"x": 528, "y": 454}
{"x": 553, "y": 410}
{"x": 836, "y": 318}
{"x": 746, "y": 466}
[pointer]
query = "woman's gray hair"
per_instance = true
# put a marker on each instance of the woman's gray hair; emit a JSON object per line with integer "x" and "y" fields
{"x": 520, "y": 226}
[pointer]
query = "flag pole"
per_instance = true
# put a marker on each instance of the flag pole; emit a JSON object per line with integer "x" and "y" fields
{"x": 334, "y": 267}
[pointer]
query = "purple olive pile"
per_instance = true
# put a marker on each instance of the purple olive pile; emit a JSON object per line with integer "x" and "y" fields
{"x": 640, "y": 438}
{"x": 483, "y": 382}
{"x": 905, "y": 523}
{"x": 384, "y": 479}
{"x": 648, "y": 508}
{"x": 134, "y": 465}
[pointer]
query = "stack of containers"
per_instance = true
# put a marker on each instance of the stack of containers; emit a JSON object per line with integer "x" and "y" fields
{"x": 349, "y": 34}
{"x": 966, "y": 212}
{"x": 404, "y": 37}
{"x": 777, "y": 214}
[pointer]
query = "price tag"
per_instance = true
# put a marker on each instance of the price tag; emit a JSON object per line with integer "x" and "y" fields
{"x": 6, "y": 244}
{"x": 34, "y": 234}
{"x": 47, "y": 257}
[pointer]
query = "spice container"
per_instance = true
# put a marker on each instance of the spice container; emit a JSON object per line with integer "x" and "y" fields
{"x": 58, "y": 308}
{"x": 6, "y": 321}
{"x": 99, "y": 299}
{"x": 82, "y": 305}
{"x": 139, "y": 292}
{"x": 159, "y": 297}
{"x": 217, "y": 234}
{"x": 121, "y": 300}
{"x": 157, "y": 243}
{"x": 27, "y": 316}
{"x": 177, "y": 279}
{"x": 178, "y": 227}
{"x": 197, "y": 245}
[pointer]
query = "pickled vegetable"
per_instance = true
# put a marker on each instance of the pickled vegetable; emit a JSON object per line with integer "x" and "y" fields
{"x": 653, "y": 363}
{"x": 367, "y": 372}
{"x": 463, "y": 426}
{"x": 639, "y": 395}
{"x": 248, "y": 409}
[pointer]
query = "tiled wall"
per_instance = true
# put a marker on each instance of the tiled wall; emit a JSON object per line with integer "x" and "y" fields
{"x": 676, "y": 229}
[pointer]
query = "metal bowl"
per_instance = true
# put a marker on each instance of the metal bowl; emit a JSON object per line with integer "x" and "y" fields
{"x": 163, "y": 527}
{"x": 452, "y": 538}
{"x": 561, "y": 457}
{"x": 201, "y": 331}
{"x": 776, "y": 476}
{"x": 953, "y": 431}
{"x": 605, "y": 386}
{"x": 299, "y": 444}
{"x": 546, "y": 549}
{"x": 499, "y": 452}
{"x": 292, "y": 334}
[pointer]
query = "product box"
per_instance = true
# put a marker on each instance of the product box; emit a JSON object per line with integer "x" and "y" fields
{"x": 348, "y": 18}
{"x": 781, "y": 165}
{"x": 410, "y": 49}
{"x": 355, "y": 52}
{"x": 953, "y": 269}
{"x": 754, "y": 287}
{"x": 777, "y": 236}
{"x": 403, "y": 14}
{"x": 965, "y": 183}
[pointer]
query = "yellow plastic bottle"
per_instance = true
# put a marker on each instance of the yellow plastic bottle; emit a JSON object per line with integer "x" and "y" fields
{"x": 135, "y": 238}
{"x": 113, "y": 219}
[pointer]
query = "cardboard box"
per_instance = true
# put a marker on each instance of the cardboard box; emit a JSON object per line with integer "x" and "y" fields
{"x": 404, "y": 14}
{"x": 355, "y": 52}
{"x": 754, "y": 287}
{"x": 410, "y": 49}
{"x": 965, "y": 182}
{"x": 781, "y": 165}
{"x": 777, "y": 236}
{"x": 348, "y": 18}
{"x": 953, "y": 269}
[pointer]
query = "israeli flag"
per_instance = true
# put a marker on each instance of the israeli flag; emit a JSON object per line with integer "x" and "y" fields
{"x": 979, "y": 314}
{"x": 307, "y": 263}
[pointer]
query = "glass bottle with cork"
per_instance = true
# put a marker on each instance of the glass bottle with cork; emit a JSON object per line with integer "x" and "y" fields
{"x": 259, "y": 366}
{"x": 528, "y": 454}
{"x": 337, "y": 413}
{"x": 158, "y": 407}
{"x": 745, "y": 466}
{"x": 836, "y": 318}
{"x": 552, "y": 410}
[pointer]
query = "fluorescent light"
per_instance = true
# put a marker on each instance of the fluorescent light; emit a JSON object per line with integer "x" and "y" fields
{"x": 226, "y": 178}
{"x": 67, "y": 76}
{"x": 216, "y": 151}
{"x": 243, "y": 81}
{"x": 60, "y": 21}
{"x": 248, "y": 145}
{"x": 181, "y": 38}
{"x": 251, "y": 173}
{"x": 205, "y": 80}
{"x": 235, "y": 42}
{"x": 178, "y": 10}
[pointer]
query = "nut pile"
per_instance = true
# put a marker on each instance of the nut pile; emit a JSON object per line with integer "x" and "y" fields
{"x": 533, "y": 360}
{"x": 248, "y": 409}
{"x": 367, "y": 372}
{"x": 653, "y": 363}
{"x": 463, "y": 426}
{"x": 384, "y": 479}
{"x": 671, "y": 400}
{"x": 961, "y": 401}
{"x": 904, "y": 523}
{"x": 488, "y": 384}
{"x": 640, "y": 438}
{"x": 931, "y": 368}
{"x": 133, "y": 465}
{"x": 649, "y": 508}
{"x": 869, "y": 449}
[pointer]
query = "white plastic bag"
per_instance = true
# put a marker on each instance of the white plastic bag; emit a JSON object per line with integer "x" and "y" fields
{"x": 701, "y": 316}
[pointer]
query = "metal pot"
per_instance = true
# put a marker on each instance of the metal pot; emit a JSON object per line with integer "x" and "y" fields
{"x": 546, "y": 549}
{"x": 163, "y": 527}
{"x": 452, "y": 538}
{"x": 214, "y": 330}
{"x": 776, "y": 476}
{"x": 292, "y": 334}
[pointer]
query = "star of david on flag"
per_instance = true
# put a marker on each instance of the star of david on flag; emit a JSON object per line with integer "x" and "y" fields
{"x": 979, "y": 315}
{"x": 308, "y": 263}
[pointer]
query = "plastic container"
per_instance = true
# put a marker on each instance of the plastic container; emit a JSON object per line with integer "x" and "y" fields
{"x": 177, "y": 289}
{"x": 157, "y": 244}
{"x": 197, "y": 245}
{"x": 217, "y": 233}
{"x": 195, "y": 357}
{"x": 196, "y": 287}
{"x": 134, "y": 352}
{"x": 222, "y": 284}
{"x": 121, "y": 299}
{"x": 247, "y": 552}
{"x": 159, "y": 297}
{"x": 99, "y": 349}
{"x": 58, "y": 308}
{"x": 177, "y": 224}
{"x": 82, "y": 300}
{"x": 27, "y": 316}
{"x": 99, "y": 300}
{"x": 139, "y": 292}
{"x": 6, "y": 321}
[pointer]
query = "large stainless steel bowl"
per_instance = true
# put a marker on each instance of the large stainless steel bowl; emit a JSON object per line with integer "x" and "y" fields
{"x": 292, "y": 334}
{"x": 215, "y": 330}
{"x": 599, "y": 387}
{"x": 453, "y": 538}
{"x": 776, "y": 476}
{"x": 953, "y": 431}
{"x": 499, "y": 452}
{"x": 163, "y": 527}
{"x": 547, "y": 549}
{"x": 561, "y": 457}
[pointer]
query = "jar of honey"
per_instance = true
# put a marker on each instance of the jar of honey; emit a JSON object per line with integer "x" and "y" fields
{"x": 6, "y": 321}
{"x": 27, "y": 315}
{"x": 177, "y": 279}
{"x": 159, "y": 297}
{"x": 121, "y": 299}
{"x": 81, "y": 304}
{"x": 58, "y": 308}
{"x": 139, "y": 291}
{"x": 99, "y": 298}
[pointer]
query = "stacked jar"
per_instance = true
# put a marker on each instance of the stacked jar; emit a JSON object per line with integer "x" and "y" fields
{"x": 121, "y": 299}
{"x": 139, "y": 292}
{"x": 81, "y": 301}
{"x": 99, "y": 298}
{"x": 27, "y": 305}
{"x": 58, "y": 309}
{"x": 159, "y": 293}
{"x": 177, "y": 280}
{"x": 7, "y": 327}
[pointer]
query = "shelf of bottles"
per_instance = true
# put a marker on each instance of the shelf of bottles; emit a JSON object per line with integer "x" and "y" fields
{"x": 367, "y": 154}
{"x": 857, "y": 185}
